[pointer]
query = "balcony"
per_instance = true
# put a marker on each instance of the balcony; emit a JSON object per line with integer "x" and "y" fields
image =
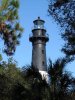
{"x": 41, "y": 37}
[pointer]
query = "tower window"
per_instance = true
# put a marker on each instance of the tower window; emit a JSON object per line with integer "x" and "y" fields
{"x": 43, "y": 63}
{"x": 42, "y": 51}
{"x": 42, "y": 33}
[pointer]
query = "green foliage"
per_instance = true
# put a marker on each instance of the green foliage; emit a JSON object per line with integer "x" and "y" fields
{"x": 61, "y": 81}
{"x": 10, "y": 75}
{"x": 27, "y": 84}
{"x": 63, "y": 11}
{"x": 36, "y": 86}
{"x": 0, "y": 57}
{"x": 10, "y": 29}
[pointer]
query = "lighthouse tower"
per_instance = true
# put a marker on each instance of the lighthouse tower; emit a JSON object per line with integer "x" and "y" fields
{"x": 39, "y": 39}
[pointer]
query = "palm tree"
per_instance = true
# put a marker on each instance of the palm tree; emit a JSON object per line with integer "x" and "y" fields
{"x": 60, "y": 80}
{"x": 36, "y": 85}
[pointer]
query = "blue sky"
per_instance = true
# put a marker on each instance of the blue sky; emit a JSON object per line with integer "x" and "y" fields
{"x": 28, "y": 12}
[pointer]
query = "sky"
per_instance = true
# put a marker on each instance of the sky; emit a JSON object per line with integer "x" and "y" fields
{"x": 28, "y": 12}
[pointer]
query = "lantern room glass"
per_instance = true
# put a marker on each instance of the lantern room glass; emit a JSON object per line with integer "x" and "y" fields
{"x": 38, "y": 24}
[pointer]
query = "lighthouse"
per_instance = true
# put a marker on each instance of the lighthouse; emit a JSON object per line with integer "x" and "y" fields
{"x": 39, "y": 38}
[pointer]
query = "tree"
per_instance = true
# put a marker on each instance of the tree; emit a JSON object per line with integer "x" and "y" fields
{"x": 21, "y": 84}
{"x": 64, "y": 13}
{"x": 10, "y": 75}
{"x": 61, "y": 81}
{"x": 27, "y": 83}
{"x": 36, "y": 85}
{"x": 10, "y": 29}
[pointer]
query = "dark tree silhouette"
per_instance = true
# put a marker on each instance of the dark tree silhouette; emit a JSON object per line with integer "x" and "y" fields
{"x": 36, "y": 84}
{"x": 61, "y": 81}
{"x": 27, "y": 83}
{"x": 63, "y": 11}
